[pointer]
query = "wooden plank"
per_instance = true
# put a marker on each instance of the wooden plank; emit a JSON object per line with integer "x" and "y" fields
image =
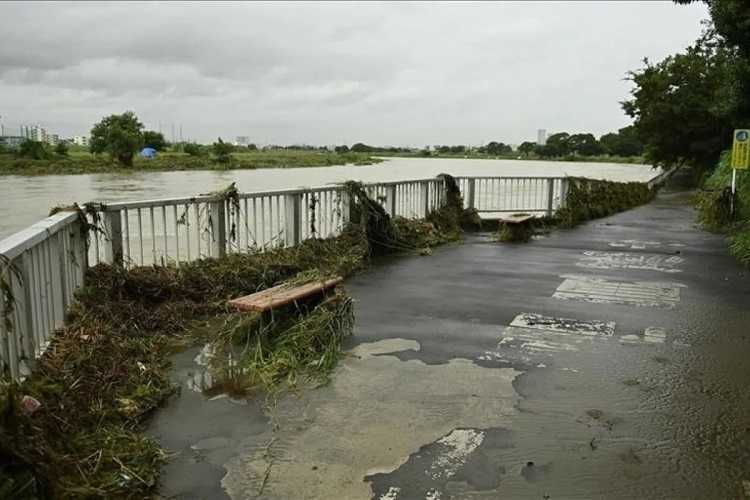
{"x": 281, "y": 295}
{"x": 515, "y": 219}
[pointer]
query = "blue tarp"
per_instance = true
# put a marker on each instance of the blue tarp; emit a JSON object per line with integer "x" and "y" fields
{"x": 148, "y": 153}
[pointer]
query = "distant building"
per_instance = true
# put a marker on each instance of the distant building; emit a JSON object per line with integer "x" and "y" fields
{"x": 35, "y": 133}
{"x": 242, "y": 140}
{"x": 541, "y": 137}
{"x": 81, "y": 140}
{"x": 12, "y": 141}
{"x": 53, "y": 139}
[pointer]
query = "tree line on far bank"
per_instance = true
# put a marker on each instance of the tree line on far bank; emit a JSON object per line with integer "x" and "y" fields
{"x": 623, "y": 143}
{"x": 122, "y": 136}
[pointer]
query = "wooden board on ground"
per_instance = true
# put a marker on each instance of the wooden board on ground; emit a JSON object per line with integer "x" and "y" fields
{"x": 281, "y": 295}
{"x": 514, "y": 218}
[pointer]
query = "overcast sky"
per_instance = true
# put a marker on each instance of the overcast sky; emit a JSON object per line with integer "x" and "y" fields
{"x": 382, "y": 73}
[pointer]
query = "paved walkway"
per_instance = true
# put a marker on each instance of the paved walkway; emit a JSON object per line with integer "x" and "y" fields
{"x": 608, "y": 361}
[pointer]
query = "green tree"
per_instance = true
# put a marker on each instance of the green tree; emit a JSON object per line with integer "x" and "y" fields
{"x": 152, "y": 139}
{"x": 252, "y": 147}
{"x": 679, "y": 106}
{"x": 118, "y": 135}
{"x": 223, "y": 151}
{"x": 62, "y": 148}
{"x": 526, "y": 148}
{"x": 362, "y": 148}
{"x": 341, "y": 149}
{"x": 557, "y": 145}
{"x": 497, "y": 148}
{"x": 584, "y": 145}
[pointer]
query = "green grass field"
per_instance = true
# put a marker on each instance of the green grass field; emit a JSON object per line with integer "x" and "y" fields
{"x": 80, "y": 162}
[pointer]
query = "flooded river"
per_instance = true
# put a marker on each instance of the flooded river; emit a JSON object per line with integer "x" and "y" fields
{"x": 24, "y": 199}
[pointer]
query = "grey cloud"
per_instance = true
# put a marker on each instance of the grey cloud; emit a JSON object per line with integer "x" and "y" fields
{"x": 390, "y": 73}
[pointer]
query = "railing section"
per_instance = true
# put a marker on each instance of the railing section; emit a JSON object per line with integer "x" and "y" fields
{"x": 40, "y": 269}
{"x": 43, "y": 265}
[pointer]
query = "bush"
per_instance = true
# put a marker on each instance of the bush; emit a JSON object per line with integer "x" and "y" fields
{"x": 193, "y": 149}
{"x": 34, "y": 150}
{"x": 61, "y": 148}
{"x": 739, "y": 246}
{"x": 222, "y": 151}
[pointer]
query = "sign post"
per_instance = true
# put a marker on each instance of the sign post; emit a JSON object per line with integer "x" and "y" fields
{"x": 740, "y": 157}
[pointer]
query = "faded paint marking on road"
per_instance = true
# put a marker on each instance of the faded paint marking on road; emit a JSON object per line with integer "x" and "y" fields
{"x": 603, "y": 291}
{"x": 643, "y": 245}
{"x": 628, "y": 260}
{"x": 563, "y": 325}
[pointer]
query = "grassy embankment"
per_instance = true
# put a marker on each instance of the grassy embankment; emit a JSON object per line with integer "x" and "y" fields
{"x": 714, "y": 205}
{"x": 78, "y": 162}
{"x": 639, "y": 160}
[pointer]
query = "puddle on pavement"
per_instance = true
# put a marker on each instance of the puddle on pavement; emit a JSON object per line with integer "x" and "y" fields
{"x": 370, "y": 419}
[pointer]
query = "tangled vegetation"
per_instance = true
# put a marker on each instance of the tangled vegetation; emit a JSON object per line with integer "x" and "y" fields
{"x": 107, "y": 369}
{"x": 591, "y": 199}
{"x": 715, "y": 210}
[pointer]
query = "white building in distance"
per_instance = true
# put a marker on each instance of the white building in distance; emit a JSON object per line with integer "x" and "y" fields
{"x": 541, "y": 137}
{"x": 81, "y": 140}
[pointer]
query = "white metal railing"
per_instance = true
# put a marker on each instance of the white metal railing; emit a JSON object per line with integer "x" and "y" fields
{"x": 40, "y": 269}
{"x": 537, "y": 195}
{"x": 43, "y": 265}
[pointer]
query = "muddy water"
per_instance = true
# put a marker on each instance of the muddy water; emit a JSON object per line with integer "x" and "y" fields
{"x": 24, "y": 200}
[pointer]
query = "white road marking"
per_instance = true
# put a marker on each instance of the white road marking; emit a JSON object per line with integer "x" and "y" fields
{"x": 563, "y": 325}
{"x": 642, "y": 245}
{"x": 603, "y": 291}
{"x": 391, "y": 494}
{"x": 459, "y": 444}
{"x": 630, "y": 260}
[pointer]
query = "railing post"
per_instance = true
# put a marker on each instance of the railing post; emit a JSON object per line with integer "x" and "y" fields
{"x": 217, "y": 214}
{"x": 550, "y": 197}
{"x": 470, "y": 196}
{"x": 564, "y": 187}
{"x": 113, "y": 231}
{"x": 425, "y": 187}
{"x": 293, "y": 219}
{"x": 347, "y": 203}
{"x": 390, "y": 199}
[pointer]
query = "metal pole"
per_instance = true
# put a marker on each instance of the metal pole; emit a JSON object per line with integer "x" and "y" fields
{"x": 734, "y": 188}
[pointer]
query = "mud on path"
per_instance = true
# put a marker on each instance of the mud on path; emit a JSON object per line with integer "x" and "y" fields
{"x": 606, "y": 361}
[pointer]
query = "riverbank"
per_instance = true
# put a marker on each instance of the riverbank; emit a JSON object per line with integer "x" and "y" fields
{"x": 634, "y": 160}
{"x": 86, "y": 163}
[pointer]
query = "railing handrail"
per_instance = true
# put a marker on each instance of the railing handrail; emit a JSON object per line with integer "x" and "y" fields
{"x": 17, "y": 243}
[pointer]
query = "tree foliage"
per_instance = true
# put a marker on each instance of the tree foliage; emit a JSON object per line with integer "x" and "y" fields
{"x": 152, "y": 139}
{"x": 686, "y": 105}
{"x": 120, "y": 136}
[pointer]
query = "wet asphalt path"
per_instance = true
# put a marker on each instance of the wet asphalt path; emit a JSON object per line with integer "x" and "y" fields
{"x": 608, "y": 361}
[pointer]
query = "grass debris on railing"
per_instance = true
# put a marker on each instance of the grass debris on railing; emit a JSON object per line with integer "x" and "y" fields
{"x": 591, "y": 199}
{"x": 107, "y": 369}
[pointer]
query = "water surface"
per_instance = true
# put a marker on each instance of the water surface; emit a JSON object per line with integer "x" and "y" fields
{"x": 26, "y": 199}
